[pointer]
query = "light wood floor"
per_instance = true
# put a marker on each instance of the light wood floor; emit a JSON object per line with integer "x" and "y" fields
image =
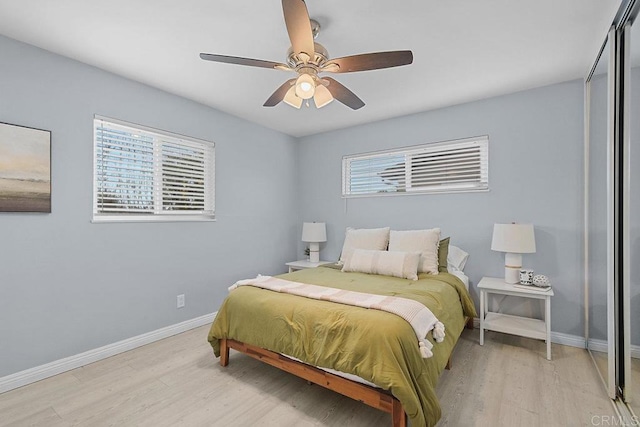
{"x": 633, "y": 389}
{"x": 634, "y": 400}
{"x": 177, "y": 381}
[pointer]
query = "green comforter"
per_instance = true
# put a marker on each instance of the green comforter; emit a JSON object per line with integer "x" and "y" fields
{"x": 378, "y": 346}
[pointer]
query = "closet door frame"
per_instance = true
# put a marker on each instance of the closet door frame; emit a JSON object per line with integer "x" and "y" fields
{"x": 612, "y": 213}
{"x": 625, "y": 194}
{"x": 609, "y": 378}
{"x": 623, "y": 327}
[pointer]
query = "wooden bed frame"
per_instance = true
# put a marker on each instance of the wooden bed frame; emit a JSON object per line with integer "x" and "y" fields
{"x": 374, "y": 397}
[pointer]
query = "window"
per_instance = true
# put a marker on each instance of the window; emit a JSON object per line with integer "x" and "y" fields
{"x": 144, "y": 174}
{"x": 450, "y": 166}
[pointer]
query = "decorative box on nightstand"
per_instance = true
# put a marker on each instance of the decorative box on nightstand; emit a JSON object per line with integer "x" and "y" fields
{"x": 515, "y": 325}
{"x": 303, "y": 264}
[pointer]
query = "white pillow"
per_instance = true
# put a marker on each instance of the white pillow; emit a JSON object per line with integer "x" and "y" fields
{"x": 375, "y": 239}
{"x": 457, "y": 257}
{"x": 397, "y": 264}
{"x": 423, "y": 241}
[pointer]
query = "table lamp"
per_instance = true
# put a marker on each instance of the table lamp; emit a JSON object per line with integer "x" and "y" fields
{"x": 515, "y": 240}
{"x": 314, "y": 233}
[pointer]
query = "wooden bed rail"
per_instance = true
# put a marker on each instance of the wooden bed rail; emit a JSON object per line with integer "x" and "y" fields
{"x": 376, "y": 398}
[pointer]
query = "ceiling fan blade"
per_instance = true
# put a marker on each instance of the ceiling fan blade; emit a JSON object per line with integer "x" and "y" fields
{"x": 296, "y": 17}
{"x": 279, "y": 94}
{"x": 369, "y": 61}
{"x": 344, "y": 95}
{"x": 244, "y": 61}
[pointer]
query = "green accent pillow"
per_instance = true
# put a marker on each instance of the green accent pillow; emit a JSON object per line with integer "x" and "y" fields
{"x": 443, "y": 252}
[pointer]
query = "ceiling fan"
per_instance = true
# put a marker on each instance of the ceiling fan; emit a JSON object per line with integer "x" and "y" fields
{"x": 309, "y": 59}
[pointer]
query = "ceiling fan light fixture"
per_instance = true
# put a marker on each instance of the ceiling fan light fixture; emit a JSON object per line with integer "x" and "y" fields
{"x": 291, "y": 98}
{"x": 322, "y": 96}
{"x": 305, "y": 87}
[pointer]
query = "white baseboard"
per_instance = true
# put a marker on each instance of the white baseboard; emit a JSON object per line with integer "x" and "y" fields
{"x": 56, "y": 367}
{"x": 601, "y": 345}
{"x": 567, "y": 339}
{"x": 598, "y": 345}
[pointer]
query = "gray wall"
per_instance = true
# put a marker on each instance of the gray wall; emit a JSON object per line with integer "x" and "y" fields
{"x": 67, "y": 285}
{"x": 536, "y": 175}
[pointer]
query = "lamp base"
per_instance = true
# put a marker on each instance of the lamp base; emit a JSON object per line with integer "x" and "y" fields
{"x": 512, "y": 275}
{"x": 512, "y": 266}
{"x": 314, "y": 252}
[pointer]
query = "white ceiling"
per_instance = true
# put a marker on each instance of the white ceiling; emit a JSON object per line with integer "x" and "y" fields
{"x": 463, "y": 50}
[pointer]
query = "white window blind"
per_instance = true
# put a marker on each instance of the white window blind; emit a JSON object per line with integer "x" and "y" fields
{"x": 147, "y": 174}
{"x": 450, "y": 166}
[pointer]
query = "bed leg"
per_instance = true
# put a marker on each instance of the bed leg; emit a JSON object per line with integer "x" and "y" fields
{"x": 398, "y": 417}
{"x": 469, "y": 324}
{"x": 224, "y": 352}
{"x": 448, "y": 365}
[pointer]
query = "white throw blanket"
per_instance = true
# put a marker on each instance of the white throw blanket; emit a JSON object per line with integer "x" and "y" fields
{"x": 421, "y": 319}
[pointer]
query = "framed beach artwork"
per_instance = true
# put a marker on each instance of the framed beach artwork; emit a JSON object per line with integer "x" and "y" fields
{"x": 25, "y": 169}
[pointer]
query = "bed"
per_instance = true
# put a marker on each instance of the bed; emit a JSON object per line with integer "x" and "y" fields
{"x": 322, "y": 341}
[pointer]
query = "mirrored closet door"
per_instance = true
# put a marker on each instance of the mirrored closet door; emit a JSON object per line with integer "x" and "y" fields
{"x": 599, "y": 235}
{"x": 612, "y": 211}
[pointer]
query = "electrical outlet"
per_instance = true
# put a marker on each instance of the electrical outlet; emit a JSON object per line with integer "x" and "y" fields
{"x": 181, "y": 301}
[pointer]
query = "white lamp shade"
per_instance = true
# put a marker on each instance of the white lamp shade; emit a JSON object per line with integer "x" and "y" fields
{"x": 314, "y": 232}
{"x": 513, "y": 238}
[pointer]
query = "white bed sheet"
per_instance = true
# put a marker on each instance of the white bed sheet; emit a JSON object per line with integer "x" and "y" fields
{"x": 338, "y": 373}
{"x": 460, "y": 275}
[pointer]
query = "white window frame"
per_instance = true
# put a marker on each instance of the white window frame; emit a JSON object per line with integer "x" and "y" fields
{"x": 159, "y": 214}
{"x": 409, "y": 154}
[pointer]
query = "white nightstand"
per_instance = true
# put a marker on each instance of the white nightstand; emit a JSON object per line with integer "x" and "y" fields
{"x": 516, "y": 325}
{"x": 302, "y": 264}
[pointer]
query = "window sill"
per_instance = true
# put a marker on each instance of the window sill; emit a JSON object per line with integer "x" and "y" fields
{"x": 151, "y": 218}
{"x": 417, "y": 193}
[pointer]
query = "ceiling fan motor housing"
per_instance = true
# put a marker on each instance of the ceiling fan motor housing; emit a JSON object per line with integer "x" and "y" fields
{"x": 298, "y": 60}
